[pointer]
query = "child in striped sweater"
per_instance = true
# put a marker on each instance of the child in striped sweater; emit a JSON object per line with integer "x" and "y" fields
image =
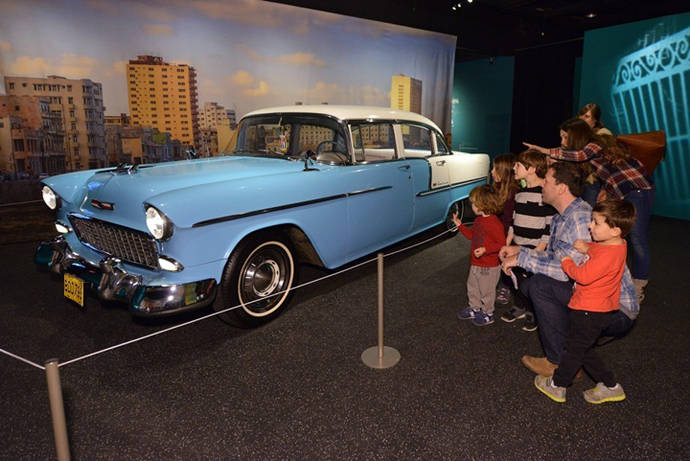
{"x": 530, "y": 228}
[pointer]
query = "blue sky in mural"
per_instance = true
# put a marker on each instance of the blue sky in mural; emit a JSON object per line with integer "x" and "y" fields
{"x": 247, "y": 53}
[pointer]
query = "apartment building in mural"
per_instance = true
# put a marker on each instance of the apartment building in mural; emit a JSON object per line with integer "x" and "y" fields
{"x": 32, "y": 137}
{"x": 78, "y": 104}
{"x": 164, "y": 96}
{"x": 213, "y": 115}
{"x": 406, "y": 93}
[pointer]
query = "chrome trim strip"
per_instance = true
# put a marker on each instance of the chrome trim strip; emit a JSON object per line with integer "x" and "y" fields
{"x": 450, "y": 186}
{"x": 286, "y": 207}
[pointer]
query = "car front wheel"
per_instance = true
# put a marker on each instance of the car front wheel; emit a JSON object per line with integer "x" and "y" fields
{"x": 257, "y": 278}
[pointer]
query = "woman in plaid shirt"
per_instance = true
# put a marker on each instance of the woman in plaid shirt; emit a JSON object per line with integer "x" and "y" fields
{"x": 622, "y": 176}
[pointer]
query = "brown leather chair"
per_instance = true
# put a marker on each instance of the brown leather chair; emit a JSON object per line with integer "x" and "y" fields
{"x": 649, "y": 148}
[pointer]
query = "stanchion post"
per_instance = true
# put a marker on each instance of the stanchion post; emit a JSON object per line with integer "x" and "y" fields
{"x": 57, "y": 409}
{"x": 379, "y": 267}
{"x": 380, "y": 356}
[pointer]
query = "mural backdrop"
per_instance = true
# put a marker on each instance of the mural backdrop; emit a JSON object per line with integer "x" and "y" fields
{"x": 639, "y": 74}
{"x": 247, "y": 54}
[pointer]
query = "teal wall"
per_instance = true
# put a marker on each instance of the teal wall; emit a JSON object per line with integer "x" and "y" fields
{"x": 482, "y": 105}
{"x": 639, "y": 73}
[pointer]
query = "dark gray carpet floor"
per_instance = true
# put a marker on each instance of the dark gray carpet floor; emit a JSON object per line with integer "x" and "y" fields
{"x": 297, "y": 388}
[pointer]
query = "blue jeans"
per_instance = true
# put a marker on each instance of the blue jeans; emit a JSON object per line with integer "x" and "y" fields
{"x": 550, "y": 299}
{"x": 590, "y": 192}
{"x": 643, "y": 199}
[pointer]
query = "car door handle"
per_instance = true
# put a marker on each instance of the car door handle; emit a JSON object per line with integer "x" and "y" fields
{"x": 440, "y": 162}
{"x": 404, "y": 167}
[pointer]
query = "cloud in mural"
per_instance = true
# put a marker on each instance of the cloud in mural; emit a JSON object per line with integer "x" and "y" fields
{"x": 158, "y": 29}
{"x": 5, "y": 46}
{"x": 296, "y": 59}
{"x": 242, "y": 78}
{"x": 301, "y": 59}
{"x": 261, "y": 90}
{"x": 69, "y": 65}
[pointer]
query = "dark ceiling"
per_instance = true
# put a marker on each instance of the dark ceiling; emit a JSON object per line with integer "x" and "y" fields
{"x": 502, "y": 27}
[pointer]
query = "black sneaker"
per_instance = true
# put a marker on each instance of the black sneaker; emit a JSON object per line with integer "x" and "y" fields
{"x": 513, "y": 314}
{"x": 530, "y": 324}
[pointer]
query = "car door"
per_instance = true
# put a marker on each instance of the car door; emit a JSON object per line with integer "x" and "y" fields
{"x": 431, "y": 186}
{"x": 380, "y": 207}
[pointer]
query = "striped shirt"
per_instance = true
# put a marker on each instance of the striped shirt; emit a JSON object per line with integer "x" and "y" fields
{"x": 531, "y": 218}
{"x": 573, "y": 224}
{"x": 619, "y": 179}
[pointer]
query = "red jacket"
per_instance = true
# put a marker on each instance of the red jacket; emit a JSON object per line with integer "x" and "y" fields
{"x": 486, "y": 232}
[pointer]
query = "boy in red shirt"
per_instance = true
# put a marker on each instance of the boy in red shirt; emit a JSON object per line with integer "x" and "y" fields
{"x": 487, "y": 236}
{"x": 596, "y": 297}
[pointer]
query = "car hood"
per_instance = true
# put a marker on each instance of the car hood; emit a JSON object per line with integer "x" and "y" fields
{"x": 179, "y": 189}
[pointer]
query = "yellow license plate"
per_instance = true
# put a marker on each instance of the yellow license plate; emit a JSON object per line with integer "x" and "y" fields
{"x": 74, "y": 289}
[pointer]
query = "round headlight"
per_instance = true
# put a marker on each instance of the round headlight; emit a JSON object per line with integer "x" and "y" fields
{"x": 159, "y": 225}
{"x": 49, "y": 197}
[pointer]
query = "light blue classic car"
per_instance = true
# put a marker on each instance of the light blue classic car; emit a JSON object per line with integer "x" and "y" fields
{"x": 323, "y": 185}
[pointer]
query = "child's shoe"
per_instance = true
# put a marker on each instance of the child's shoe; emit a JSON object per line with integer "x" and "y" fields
{"x": 482, "y": 319}
{"x": 600, "y": 393}
{"x": 467, "y": 313}
{"x": 503, "y": 296}
{"x": 545, "y": 384}
{"x": 513, "y": 314}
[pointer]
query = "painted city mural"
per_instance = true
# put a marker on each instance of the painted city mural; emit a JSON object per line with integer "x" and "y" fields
{"x": 93, "y": 83}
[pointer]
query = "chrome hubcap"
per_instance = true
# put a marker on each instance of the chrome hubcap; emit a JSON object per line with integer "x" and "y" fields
{"x": 265, "y": 277}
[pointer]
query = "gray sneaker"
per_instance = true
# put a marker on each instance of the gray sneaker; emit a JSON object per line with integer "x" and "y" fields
{"x": 600, "y": 394}
{"x": 545, "y": 384}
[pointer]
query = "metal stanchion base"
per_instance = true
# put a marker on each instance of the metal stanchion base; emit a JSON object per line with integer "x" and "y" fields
{"x": 371, "y": 358}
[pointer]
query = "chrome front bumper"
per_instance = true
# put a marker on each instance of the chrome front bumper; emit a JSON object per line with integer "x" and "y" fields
{"x": 113, "y": 283}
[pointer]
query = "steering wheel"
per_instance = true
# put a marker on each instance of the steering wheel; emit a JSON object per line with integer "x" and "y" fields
{"x": 344, "y": 158}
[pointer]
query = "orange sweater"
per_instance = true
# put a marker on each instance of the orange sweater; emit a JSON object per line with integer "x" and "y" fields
{"x": 598, "y": 280}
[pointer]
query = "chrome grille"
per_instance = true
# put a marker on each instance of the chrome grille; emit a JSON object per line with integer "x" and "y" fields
{"x": 127, "y": 244}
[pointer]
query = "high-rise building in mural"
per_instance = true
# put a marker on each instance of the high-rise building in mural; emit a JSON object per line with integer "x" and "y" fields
{"x": 214, "y": 115}
{"x": 79, "y": 106}
{"x": 406, "y": 93}
{"x": 164, "y": 96}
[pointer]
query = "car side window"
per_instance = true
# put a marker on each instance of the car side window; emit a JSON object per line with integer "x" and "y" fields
{"x": 327, "y": 143}
{"x": 373, "y": 142}
{"x": 441, "y": 147}
{"x": 416, "y": 140}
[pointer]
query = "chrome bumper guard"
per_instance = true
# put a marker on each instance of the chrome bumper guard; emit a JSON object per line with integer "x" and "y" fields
{"x": 113, "y": 283}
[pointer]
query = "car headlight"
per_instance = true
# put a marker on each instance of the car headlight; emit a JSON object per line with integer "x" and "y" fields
{"x": 50, "y": 198}
{"x": 159, "y": 225}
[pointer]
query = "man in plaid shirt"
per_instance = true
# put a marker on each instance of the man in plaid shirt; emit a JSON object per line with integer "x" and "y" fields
{"x": 550, "y": 288}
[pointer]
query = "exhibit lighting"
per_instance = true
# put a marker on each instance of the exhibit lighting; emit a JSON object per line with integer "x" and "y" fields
{"x": 591, "y": 15}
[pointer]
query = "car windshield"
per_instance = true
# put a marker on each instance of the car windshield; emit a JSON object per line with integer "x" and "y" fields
{"x": 291, "y": 137}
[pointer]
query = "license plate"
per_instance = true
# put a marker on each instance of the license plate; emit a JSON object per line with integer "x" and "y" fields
{"x": 74, "y": 289}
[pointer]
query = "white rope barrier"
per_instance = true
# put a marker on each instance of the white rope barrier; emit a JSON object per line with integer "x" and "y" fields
{"x": 19, "y": 203}
{"x": 175, "y": 327}
{"x": 22, "y": 359}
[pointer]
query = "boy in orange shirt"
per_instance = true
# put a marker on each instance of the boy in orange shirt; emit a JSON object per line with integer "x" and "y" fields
{"x": 596, "y": 297}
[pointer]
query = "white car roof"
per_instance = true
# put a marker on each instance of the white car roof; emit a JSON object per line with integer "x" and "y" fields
{"x": 349, "y": 113}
